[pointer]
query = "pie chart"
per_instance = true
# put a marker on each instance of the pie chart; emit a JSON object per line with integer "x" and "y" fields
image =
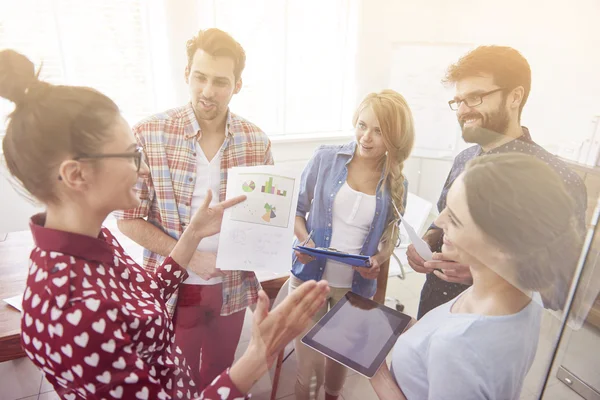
{"x": 248, "y": 186}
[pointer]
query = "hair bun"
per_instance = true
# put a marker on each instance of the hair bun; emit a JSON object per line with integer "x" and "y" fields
{"x": 17, "y": 73}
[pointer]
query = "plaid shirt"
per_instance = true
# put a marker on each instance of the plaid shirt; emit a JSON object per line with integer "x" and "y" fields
{"x": 169, "y": 140}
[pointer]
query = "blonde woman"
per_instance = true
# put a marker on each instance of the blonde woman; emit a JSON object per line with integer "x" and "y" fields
{"x": 349, "y": 193}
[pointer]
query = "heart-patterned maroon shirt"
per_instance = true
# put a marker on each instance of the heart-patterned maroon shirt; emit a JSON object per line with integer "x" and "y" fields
{"x": 96, "y": 323}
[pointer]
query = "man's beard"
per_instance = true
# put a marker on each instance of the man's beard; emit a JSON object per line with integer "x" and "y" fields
{"x": 492, "y": 128}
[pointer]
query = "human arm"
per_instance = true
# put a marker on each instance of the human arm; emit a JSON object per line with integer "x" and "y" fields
{"x": 385, "y": 385}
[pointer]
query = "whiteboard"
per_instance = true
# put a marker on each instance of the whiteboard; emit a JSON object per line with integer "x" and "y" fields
{"x": 416, "y": 73}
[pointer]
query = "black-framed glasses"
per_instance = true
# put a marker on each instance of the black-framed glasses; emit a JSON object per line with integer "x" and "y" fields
{"x": 137, "y": 155}
{"x": 471, "y": 101}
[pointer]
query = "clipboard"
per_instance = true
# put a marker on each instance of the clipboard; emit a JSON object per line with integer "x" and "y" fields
{"x": 356, "y": 260}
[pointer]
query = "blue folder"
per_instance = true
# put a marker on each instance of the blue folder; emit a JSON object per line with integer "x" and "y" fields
{"x": 352, "y": 259}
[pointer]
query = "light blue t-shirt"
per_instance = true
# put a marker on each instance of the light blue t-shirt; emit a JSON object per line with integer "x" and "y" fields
{"x": 467, "y": 356}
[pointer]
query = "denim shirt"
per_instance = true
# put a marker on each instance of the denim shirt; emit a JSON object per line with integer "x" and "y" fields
{"x": 321, "y": 180}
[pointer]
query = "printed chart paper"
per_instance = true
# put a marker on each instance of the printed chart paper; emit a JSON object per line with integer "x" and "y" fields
{"x": 257, "y": 234}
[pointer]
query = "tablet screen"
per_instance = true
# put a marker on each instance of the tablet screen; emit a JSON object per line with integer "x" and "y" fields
{"x": 358, "y": 333}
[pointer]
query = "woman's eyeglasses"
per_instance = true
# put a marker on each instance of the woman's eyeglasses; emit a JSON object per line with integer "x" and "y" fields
{"x": 137, "y": 155}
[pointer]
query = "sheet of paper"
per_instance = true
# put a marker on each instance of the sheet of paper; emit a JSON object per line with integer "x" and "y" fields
{"x": 15, "y": 301}
{"x": 257, "y": 234}
{"x": 420, "y": 245}
{"x": 416, "y": 213}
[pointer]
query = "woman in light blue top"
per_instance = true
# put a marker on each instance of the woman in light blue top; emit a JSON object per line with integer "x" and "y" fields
{"x": 352, "y": 195}
{"x": 508, "y": 217}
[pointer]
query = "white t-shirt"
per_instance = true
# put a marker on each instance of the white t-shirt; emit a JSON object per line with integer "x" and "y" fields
{"x": 353, "y": 214}
{"x": 467, "y": 356}
{"x": 208, "y": 176}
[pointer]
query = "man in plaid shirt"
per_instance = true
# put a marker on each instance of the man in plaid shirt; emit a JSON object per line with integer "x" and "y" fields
{"x": 189, "y": 150}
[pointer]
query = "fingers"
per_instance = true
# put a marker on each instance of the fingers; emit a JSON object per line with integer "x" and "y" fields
{"x": 305, "y": 300}
{"x": 446, "y": 265}
{"x": 207, "y": 200}
{"x": 232, "y": 202}
{"x": 439, "y": 265}
{"x": 368, "y": 273}
{"x": 304, "y": 258}
{"x": 418, "y": 268}
{"x": 216, "y": 273}
{"x": 412, "y": 254}
{"x": 317, "y": 303}
{"x": 453, "y": 278}
{"x": 444, "y": 277}
{"x": 262, "y": 307}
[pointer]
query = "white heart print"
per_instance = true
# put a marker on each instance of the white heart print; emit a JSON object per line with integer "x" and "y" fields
{"x": 75, "y": 317}
{"x": 78, "y": 369}
{"x": 56, "y": 357}
{"x": 41, "y": 275}
{"x": 90, "y": 387}
{"x": 55, "y": 330}
{"x": 35, "y": 301}
{"x": 67, "y": 350}
{"x": 119, "y": 364}
{"x": 117, "y": 393}
{"x": 224, "y": 392}
{"x": 40, "y": 359}
{"x": 61, "y": 300}
{"x": 68, "y": 375}
{"x": 112, "y": 314}
{"x": 60, "y": 282}
{"x": 55, "y": 313}
{"x": 109, "y": 346}
{"x": 99, "y": 326}
{"x": 92, "y": 360}
{"x": 92, "y": 304}
{"x": 142, "y": 394}
{"x": 39, "y": 325}
{"x": 132, "y": 378}
{"x": 82, "y": 340}
{"x": 104, "y": 378}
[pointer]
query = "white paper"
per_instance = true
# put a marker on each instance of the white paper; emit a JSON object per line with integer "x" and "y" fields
{"x": 15, "y": 301}
{"x": 416, "y": 214}
{"x": 420, "y": 245}
{"x": 257, "y": 234}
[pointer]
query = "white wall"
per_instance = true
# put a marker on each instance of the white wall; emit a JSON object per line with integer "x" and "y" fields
{"x": 15, "y": 210}
{"x": 560, "y": 39}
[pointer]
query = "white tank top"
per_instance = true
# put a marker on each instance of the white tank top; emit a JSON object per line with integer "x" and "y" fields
{"x": 353, "y": 214}
{"x": 208, "y": 176}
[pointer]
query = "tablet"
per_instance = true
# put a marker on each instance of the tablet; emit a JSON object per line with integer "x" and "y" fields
{"x": 358, "y": 333}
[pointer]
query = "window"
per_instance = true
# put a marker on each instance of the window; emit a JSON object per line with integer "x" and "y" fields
{"x": 101, "y": 44}
{"x": 299, "y": 75}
